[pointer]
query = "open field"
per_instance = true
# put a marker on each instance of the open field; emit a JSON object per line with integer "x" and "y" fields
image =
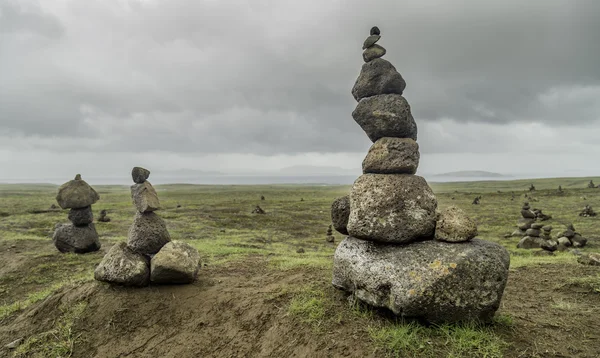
{"x": 256, "y": 296}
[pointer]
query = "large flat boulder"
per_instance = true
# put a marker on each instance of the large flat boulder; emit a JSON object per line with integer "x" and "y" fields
{"x": 148, "y": 233}
{"x": 76, "y": 194}
{"x": 144, "y": 197}
{"x": 436, "y": 281}
{"x": 77, "y": 239}
{"x": 124, "y": 267}
{"x": 340, "y": 212}
{"x": 377, "y": 76}
{"x": 392, "y": 156}
{"x": 386, "y": 115}
{"x": 392, "y": 208}
{"x": 176, "y": 263}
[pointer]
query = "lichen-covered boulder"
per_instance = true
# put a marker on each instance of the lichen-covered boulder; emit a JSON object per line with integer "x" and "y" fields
{"x": 386, "y": 115}
{"x": 340, "y": 212}
{"x": 392, "y": 208}
{"x": 148, "y": 233}
{"x": 437, "y": 281}
{"x": 176, "y": 263}
{"x": 80, "y": 217}
{"x": 76, "y": 194}
{"x": 376, "y": 77}
{"x": 124, "y": 267}
{"x": 392, "y": 156}
{"x": 144, "y": 197}
{"x": 77, "y": 239}
{"x": 453, "y": 225}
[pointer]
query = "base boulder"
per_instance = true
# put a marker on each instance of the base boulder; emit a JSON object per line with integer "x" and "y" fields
{"x": 77, "y": 239}
{"x": 124, "y": 267}
{"x": 176, "y": 262}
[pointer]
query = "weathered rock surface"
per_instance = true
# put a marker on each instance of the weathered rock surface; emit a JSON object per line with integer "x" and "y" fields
{"x": 80, "y": 217}
{"x": 385, "y": 115}
{"x": 148, "y": 233}
{"x": 392, "y": 156}
{"x": 370, "y": 41}
{"x": 76, "y": 194}
{"x": 340, "y": 212}
{"x": 549, "y": 245}
{"x": 533, "y": 232}
{"x": 144, "y": 197}
{"x": 578, "y": 241}
{"x": 537, "y": 226}
{"x": 373, "y": 52}
{"x": 124, "y": 267}
{"x": 453, "y": 225}
{"x": 436, "y": 281}
{"x": 77, "y": 239}
{"x": 592, "y": 259}
{"x": 392, "y": 208}
{"x": 529, "y": 242}
{"x": 139, "y": 175}
{"x": 528, "y": 214}
{"x": 564, "y": 241}
{"x": 378, "y": 77}
{"x": 177, "y": 262}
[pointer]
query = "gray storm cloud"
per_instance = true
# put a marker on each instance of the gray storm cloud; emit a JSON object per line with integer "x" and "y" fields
{"x": 272, "y": 77}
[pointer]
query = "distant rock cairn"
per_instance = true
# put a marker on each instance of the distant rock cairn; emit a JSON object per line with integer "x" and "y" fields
{"x": 401, "y": 253}
{"x": 80, "y": 236}
{"x": 149, "y": 254}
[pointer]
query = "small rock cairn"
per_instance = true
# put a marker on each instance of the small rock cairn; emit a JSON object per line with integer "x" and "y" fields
{"x": 391, "y": 258}
{"x": 570, "y": 237}
{"x": 587, "y": 212}
{"x": 534, "y": 234}
{"x": 103, "y": 216}
{"x": 329, "y": 237}
{"x": 80, "y": 236}
{"x": 149, "y": 255}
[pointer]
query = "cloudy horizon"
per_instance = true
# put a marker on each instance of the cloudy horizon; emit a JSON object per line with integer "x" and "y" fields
{"x": 97, "y": 87}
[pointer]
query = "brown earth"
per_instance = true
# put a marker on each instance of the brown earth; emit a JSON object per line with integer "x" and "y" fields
{"x": 241, "y": 310}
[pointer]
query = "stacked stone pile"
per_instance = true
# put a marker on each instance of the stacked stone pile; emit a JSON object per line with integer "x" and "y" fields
{"x": 149, "y": 255}
{"x": 587, "y": 212}
{"x": 80, "y": 236}
{"x": 329, "y": 237}
{"x": 570, "y": 237}
{"x": 401, "y": 253}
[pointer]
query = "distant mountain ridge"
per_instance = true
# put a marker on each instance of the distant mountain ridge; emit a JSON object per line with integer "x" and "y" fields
{"x": 472, "y": 173}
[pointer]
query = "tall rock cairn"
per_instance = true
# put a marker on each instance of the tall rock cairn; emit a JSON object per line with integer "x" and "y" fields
{"x": 80, "y": 236}
{"x": 149, "y": 254}
{"x": 401, "y": 253}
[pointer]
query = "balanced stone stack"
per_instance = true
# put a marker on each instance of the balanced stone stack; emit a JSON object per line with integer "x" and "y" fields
{"x": 524, "y": 224}
{"x": 80, "y": 236}
{"x": 149, "y": 254}
{"x": 570, "y": 237}
{"x": 390, "y": 258}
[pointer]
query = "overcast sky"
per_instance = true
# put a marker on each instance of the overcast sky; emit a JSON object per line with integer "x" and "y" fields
{"x": 98, "y": 86}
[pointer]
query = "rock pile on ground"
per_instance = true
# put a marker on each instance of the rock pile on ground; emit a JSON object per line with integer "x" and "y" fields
{"x": 80, "y": 236}
{"x": 149, "y": 255}
{"x": 394, "y": 256}
{"x": 534, "y": 234}
{"x": 329, "y": 237}
{"x": 258, "y": 210}
{"x": 103, "y": 218}
{"x": 591, "y": 185}
{"x": 570, "y": 237}
{"x": 587, "y": 212}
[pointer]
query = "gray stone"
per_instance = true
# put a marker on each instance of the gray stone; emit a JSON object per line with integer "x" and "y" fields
{"x": 124, "y": 267}
{"x": 549, "y": 245}
{"x": 564, "y": 241}
{"x": 433, "y": 280}
{"x": 77, "y": 239}
{"x": 592, "y": 259}
{"x": 76, "y": 194}
{"x": 392, "y": 156}
{"x": 148, "y": 233}
{"x": 547, "y": 228}
{"x": 568, "y": 233}
{"x": 533, "y": 232}
{"x": 375, "y": 31}
{"x": 578, "y": 240}
{"x": 373, "y": 52}
{"x": 144, "y": 197}
{"x": 529, "y": 242}
{"x": 139, "y": 175}
{"x": 176, "y": 263}
{"x": 385, "y": 115}
{"x": 377, "y": 77}
{"x": 370, "y": 41}
{"x": 518, "y": 233}
{"x": 453, "y": 225}
{"x": 81, "y": 217}
{"x": 537, "y": 226}
{"x": 525, "y": 224}
{"x": 527, "y": 214}
{"x": 392, "y": 208}
{"x": 340, "y": 212}
{"x": 14, "y": 344}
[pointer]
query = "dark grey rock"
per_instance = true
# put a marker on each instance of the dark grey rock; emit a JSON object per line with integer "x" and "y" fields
{"x": 529, "y": 242}
{"x": 385, "y": 115}
{"x": 527, "y": 214}
{"x": 392, "y": 208}
{"x": 392, "y": 156}
{"x": 139, "y": 175}
{"x": 124, "y": 267}
{"x": 592, "y": 259}
{"x": 144, "y": 197}
{"x": 549, "y": 245}
{"x": 564, "y": 241}
{"x": 340, "y": 212}
{"x": 370, "y": 41}
{"x": 437, "y": 281}
{"x": 376, "y": 77}
{"x": 76, "y": 194}
{"x": 77, "y": 239}
{"x": 578, "y": 240}
{"x": 547, "y": 228}
{"x": 148, "y": 233}
{"x": 533, "y": 232}
{"x": 81, "y": 217}
{"x": 373, "y": 52}
{"x": 176, "y": 263}
{"x": 568, "y": 233}
{"x": 537, "y": 226}
{"x": 453, "y": 225}
{"x": 375, "y": 31}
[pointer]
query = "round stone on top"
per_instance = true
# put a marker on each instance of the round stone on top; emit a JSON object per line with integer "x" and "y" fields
{"x": 375, "y": 31}
{"x": 139, "y": 175}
